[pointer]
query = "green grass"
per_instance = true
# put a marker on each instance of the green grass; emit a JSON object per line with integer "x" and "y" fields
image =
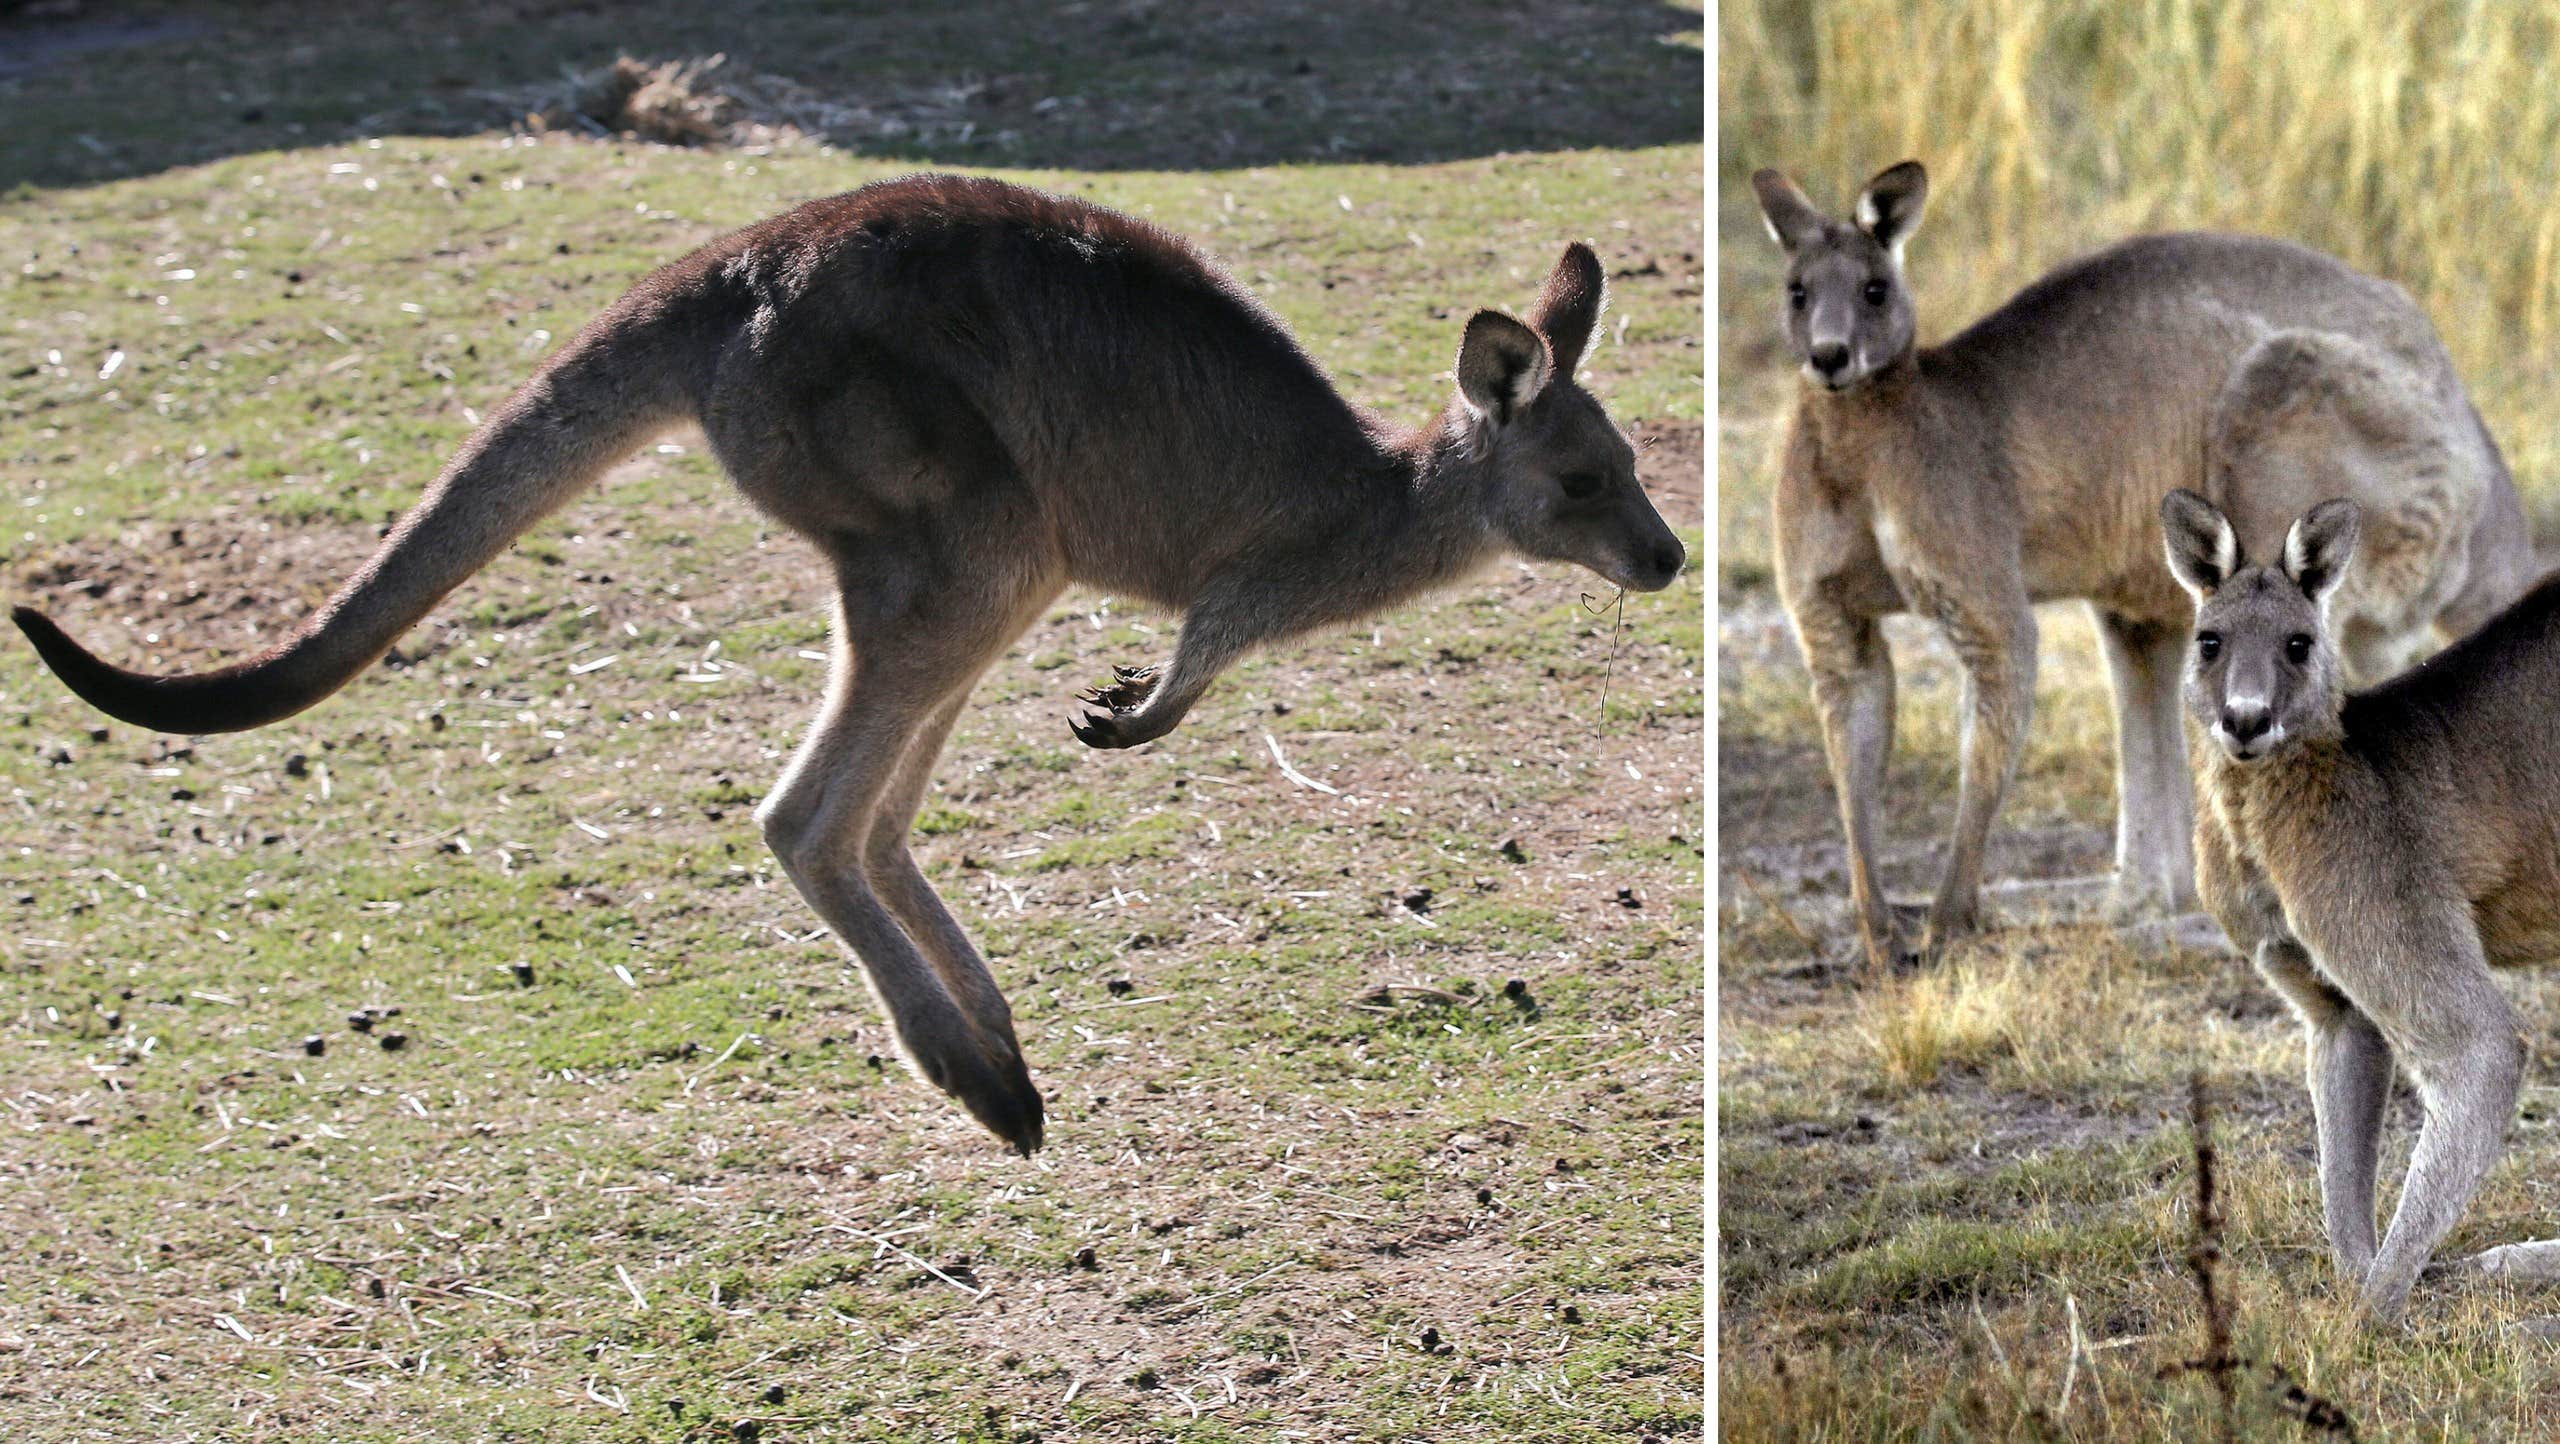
{"x": 1282, "y": 1187}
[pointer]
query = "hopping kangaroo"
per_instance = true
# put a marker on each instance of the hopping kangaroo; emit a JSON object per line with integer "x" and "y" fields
{"x": 970, "y": 395}
{"x": 2377, "y": 854}
{"x": 2024, "y": 461}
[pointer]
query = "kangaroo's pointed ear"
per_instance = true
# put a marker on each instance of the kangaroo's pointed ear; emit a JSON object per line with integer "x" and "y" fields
{"x": 2204, "y": 551}
{"x": 1502, "y": 366}
{"x": 1570, "y": 306}
{"x": 2319, "y": 546}
{"x": 1889, "y": 208}
{"x": 1793, "y": 221}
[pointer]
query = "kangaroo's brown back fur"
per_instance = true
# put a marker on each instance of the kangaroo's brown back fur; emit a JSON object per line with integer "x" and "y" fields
{"x": 970, "y": 395}
{"x": 2023, "y": 461}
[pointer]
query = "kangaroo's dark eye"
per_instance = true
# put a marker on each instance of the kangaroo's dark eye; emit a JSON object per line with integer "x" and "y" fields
{"x": 1795, "y": 295}
{"x": 1878, "y": 293}
{"x": 2297, "y": 648}
{"x": 2208, "y": 646}
{"x": 1580, "y": 485}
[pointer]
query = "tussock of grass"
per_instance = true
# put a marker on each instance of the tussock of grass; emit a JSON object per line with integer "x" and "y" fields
{"x": 1958, "y": 1018}
{"x": 675, "y": 102}
{"x": 2041, "y": 1011}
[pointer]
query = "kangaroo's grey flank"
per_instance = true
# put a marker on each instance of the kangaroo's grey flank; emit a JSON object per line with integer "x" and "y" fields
{"x": 2024, "y": 460}
{"x": 969, "y": 395}
{"x": 2376, "y": 854}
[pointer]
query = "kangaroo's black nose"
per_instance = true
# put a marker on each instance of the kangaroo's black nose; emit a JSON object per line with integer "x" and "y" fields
{"x": 2246, "y": 724}
{"x": 1668, "y": 559}
{"x": 1828, "y": 357}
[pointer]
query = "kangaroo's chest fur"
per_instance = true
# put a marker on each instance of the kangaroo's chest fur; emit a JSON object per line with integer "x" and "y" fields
{"x": 1931, "y": 491}
{"x": 2322, "y": 834}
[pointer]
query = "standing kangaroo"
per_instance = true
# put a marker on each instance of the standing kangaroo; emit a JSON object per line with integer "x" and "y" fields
{"x": 2377, "y": 854}
{"x": 970, "y": 395}
{"x": 2024, "y": 461}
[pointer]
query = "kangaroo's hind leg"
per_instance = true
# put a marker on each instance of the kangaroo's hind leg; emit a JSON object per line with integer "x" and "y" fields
{"x": 2155, "y": 802}
{"x": 903, "y": 651}
{"x": 894, "y": 873}
{"x": 2426, "y": 986}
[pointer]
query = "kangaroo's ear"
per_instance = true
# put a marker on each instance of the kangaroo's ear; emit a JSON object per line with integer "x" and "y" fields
{"x": 2204, "y": 551}
{"x": 1889, "y": 208}
{"x": 1793, "y": 221}
{"x": 2319, "y": 546}
{"x": 1570, "y": 306}
{"x": 1502, "y": 366}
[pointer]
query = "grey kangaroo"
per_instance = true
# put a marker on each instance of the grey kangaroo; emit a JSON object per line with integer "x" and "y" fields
{"x": 970, "y": 395}
{"x": 2024, "y": 460}
{"x": 2376, "y": 854}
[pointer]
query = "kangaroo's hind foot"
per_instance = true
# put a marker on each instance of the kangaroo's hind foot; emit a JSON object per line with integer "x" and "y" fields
{"x": 2536, "y": 1262}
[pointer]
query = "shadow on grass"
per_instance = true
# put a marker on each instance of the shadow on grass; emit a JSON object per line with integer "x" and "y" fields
{"x": 110, "y": 91}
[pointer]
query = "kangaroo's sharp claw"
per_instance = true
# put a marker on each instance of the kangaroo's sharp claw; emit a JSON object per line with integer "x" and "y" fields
{"x": 1109, "y": 707}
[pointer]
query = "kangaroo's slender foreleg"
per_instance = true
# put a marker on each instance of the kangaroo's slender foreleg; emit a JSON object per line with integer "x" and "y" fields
{"x": 897, "y": 679}
{"x": 2427, "y": 988}
{"x": 1234, "y": 615}
{"x": 1994, "y": 636}
{"x": 2155, "y": 801}
{"x": 1852, "y": 674}
{"x": 2349, "y": 1070}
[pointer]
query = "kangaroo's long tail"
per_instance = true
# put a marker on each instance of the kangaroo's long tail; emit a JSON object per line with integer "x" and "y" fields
{"x": 628, "y": 376}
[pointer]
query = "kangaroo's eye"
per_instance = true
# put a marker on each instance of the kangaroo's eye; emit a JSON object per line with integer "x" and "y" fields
{"x": 2297, "y": 648}
{"x": 2208, "y": 646}
{"x": 1580, "y": 485}
{"x": 1878, "y": 293}
{"x": 1795, "y": 295}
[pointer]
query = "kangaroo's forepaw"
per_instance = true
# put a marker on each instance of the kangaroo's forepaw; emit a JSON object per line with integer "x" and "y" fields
{"x": 1108, "y": 716}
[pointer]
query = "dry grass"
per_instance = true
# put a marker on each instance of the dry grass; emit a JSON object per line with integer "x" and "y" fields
{"x": 2022, "y": 1010}
{"x": 676, "y": 102}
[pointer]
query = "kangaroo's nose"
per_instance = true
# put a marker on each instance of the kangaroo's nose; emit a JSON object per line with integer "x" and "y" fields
{"x": 2246, "y": 724}
{"x": 1668, "y": 559}
{"x": 1828, "y": 357}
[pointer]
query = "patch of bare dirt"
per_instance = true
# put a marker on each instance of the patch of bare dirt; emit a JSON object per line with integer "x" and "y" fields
{"x": 1671, "y": 461}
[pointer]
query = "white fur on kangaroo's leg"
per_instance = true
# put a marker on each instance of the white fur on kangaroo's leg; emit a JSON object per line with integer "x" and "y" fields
{"x": 2533, "y": 1262}
{"x": 2349, "y": 1066}
{"x": 2155, "y": 861}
